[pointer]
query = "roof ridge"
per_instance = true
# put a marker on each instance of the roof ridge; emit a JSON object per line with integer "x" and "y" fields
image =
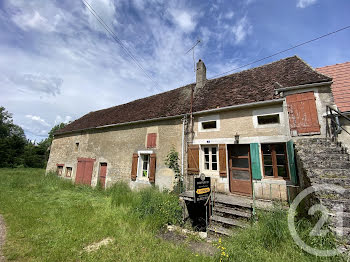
{"x": 261, "y": 66}
{"x": 333, "y": 65}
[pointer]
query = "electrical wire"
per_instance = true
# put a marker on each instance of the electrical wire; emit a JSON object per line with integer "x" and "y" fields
{"x": 115, "y": 37}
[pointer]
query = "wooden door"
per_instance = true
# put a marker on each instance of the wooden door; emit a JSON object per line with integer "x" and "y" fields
{"x": 240, "y": 170}
{"x": 102, "y": 174}
{"x": 303, "y": 118}
{"x": 84, "y": 171}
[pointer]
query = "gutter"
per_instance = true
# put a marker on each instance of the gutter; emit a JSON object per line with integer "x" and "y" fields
{"x": 290, "y": 88}
{"x": 253, "y": 104}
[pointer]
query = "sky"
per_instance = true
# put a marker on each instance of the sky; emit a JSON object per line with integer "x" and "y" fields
{"x": 58, "y": 63}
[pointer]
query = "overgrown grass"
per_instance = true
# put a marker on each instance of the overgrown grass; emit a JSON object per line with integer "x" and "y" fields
{"x": 49, "y": 219}
{"x": 269, "y": 240}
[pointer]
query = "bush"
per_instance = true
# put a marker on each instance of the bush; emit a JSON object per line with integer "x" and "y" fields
{"x": 150, "y": 205}
{"x": 159, "y": 207}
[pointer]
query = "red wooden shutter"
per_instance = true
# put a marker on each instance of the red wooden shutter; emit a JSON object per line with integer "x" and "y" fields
{"x": 134, "y": 166}
{"x": 193, "y": 159}
{"x": 222, "y": 160}
{"x": 302, "y": 111}
{"x": 151, "y": 140}
{"x": 152, "y": 168}
{"x": 84, "y": 171}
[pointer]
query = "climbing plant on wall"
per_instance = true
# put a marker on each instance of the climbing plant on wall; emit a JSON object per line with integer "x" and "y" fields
{"x": 172, "y": 161}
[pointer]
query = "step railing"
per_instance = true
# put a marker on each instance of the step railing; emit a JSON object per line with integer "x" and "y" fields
{"x": 333, "y": 126}
{"x": 209, "y": 204}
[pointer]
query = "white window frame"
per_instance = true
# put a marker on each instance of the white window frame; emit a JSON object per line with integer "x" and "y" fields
{"x": 210, "y": 158}
{"x": 140, "y": 164}
{"x": 204, "y": 119}
{"x": 266, "y": 112}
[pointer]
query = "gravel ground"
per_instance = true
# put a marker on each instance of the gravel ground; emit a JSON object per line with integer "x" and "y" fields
{"x": 2, "y": 237}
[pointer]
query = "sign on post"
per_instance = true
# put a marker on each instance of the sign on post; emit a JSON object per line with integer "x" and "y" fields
{"x": 201, "y": 188}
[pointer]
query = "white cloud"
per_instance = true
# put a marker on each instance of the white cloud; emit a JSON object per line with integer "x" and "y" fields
{"x": 305, "y": 3}
{"x": 184, "y": 19}
{"x": 242, "y": 29}
{"x": 60, "y": 119}
{"x": 34, "y": 21}
{"x": 38, "y": 119}
{"x": 38, "y": 83}
{"x": 229, "y": 15}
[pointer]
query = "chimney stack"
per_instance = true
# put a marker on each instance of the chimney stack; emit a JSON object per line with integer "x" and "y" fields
{"x": 201, "y": 75}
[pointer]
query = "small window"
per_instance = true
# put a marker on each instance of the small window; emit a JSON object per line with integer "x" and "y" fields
{"x": 209, "y": 125}
{"x": 210, "y": 158}
{"x": 269, "y": 119}
{"x": 151, "y": 140}
{"x": 275, "y": 160}
{"x": 144, "y": 165}
{"x": 76, "y": 147}
{"x": 59, "y": 170}
{"x": 68, "y": 172}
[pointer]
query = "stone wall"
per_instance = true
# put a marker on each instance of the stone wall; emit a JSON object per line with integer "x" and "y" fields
{"x": 115, "y": 146}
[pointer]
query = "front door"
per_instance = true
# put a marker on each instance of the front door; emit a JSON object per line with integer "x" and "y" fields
{"x": 84, "y": 171}
{"x": 102, "y": 174}
{"x": 302, "y": 112}
{"x": 240, "y": 171}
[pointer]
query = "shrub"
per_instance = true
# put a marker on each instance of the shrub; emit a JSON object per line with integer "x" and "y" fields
{"x": 159, "y": 208}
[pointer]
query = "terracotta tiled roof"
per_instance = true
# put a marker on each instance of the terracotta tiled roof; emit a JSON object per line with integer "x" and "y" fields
{"x": 253, "y": 85}
{"x": 341, "y": 83}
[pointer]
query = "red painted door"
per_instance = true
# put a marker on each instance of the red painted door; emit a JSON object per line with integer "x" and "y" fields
{"x": 103, "y": 173}
{"x": 303, "y": 118}
{"x": 84, "y": 171}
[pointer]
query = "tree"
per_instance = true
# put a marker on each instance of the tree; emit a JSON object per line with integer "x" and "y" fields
{"x": 12, "y": 141}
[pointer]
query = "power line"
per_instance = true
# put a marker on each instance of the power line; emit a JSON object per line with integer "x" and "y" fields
{"x": 115, "y": 37}
{"x": 280, "y": 52}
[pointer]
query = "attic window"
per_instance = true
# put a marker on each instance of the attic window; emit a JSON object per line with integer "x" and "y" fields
{"x": 209, "y": 125}
{"x": 269, "y": 119}
{"x": 76, "y": 147}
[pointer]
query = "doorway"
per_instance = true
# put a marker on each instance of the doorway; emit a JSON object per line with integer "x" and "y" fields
{"x": 240, "y": 169}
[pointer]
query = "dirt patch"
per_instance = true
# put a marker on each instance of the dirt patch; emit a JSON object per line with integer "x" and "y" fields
{"x": 196, "y": 246}
{"x": 97, "y": 245}
{"x": 2, "y": 237}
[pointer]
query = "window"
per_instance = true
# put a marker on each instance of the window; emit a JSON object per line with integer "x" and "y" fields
{"x": 209, "y": 125}
{"x": 76, "y": 147}
{"x": 275, "y": 160}
{"x": 269, "y": 119}
{"x": 68, "y": 172}
{"x": 144, "y": 165}
{"x": 151, "y": 140}
{"x": 210, "y": 158}
{"x": 59, "y": 170}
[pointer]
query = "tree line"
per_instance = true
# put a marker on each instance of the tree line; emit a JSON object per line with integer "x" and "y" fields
{"x": 18, "y": 151}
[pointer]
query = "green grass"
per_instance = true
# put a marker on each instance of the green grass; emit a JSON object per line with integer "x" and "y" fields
{"x": 49, "y": 219}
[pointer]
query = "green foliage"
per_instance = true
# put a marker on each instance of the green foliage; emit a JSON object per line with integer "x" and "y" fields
{"x": 172, "y": 161}
{"x": 269, "y": 240}
{"x": 159, "y": 208}
{"x": 16, "y": 150}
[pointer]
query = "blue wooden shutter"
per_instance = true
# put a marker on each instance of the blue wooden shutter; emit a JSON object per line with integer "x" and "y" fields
{"x": 291, "y": 162}
{"x": 255, "y": 161}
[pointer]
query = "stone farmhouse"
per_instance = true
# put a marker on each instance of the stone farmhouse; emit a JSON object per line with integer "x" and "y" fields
{"x": 239, "y": 129}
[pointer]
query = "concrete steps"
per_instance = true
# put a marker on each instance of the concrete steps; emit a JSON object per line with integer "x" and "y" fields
{"x": 229, "y": 211}
{"x": 325, "y": 162}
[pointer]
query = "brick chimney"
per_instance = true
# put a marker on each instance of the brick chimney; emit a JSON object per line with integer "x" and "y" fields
{"x": 201, "y": 75}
